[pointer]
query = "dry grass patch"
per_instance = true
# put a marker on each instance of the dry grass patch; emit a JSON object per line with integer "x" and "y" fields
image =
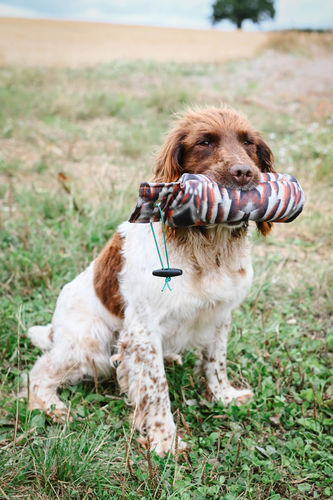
{"x": 30, "y": 42}
{"x": 300, "y": 42}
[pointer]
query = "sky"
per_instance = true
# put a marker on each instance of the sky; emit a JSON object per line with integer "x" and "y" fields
{"x": 173, "y": 13}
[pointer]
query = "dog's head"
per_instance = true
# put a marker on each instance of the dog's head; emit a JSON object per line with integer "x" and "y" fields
{"x": 219, "y": 143}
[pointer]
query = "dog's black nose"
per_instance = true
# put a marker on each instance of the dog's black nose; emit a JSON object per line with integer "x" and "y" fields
{"x": 241, "y": 174}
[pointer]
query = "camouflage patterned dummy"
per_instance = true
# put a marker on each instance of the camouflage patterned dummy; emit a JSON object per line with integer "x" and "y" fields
{"x": 196, "y": 200}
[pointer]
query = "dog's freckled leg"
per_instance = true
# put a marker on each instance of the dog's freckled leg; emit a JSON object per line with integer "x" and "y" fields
{"x": 52, "y": 370}
{"x": 215, "y": 367}
{"x": 143, "y": 369}
{"x": 44, "y": 380}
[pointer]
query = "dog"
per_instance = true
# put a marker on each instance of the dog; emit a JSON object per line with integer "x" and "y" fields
{"x": 115, "y": 308}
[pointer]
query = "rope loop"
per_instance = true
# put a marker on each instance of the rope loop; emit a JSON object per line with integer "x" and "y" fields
{"x": 166, "y": 283}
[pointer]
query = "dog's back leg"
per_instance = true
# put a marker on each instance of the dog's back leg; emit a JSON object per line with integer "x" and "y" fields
{"x": 52, "y": 370}
{"x": 72, "y": 356}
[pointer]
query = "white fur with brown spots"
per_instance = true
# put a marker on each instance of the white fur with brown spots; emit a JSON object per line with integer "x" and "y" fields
{"x": 116, "y": 309}
{"x": 196, "y": 314}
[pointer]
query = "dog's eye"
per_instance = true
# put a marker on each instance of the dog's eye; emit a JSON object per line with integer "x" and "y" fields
{"x": 206, "y": 142}
{"x": 247, "y": 142}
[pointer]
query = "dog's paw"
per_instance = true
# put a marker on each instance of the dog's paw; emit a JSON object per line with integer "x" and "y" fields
{"x": 162, "y": 448}
{"x": 239, "y": 396}
{"x": 163, "y": 444}
{"x": 52, "y": 406}
{"x": 162, "y": 438}
{"x": 59, "y": 415}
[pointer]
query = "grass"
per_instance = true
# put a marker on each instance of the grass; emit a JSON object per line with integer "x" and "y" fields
{"x": 99, "y": 127}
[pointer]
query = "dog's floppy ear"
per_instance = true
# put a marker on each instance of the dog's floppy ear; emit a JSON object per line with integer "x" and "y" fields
{"x": 266, "y": 164}
{"x": 264, "y": 155}
{"x": 168, "y": 166}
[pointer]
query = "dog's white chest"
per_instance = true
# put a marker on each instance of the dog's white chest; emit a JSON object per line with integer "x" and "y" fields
{"x": 190, "y": 313}
{"x": 187, "y": 315}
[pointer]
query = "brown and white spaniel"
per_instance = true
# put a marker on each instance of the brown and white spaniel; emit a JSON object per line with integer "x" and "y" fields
{"x": 115, "y": 308}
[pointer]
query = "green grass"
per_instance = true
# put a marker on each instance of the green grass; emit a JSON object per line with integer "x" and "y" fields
{"x": 100, "y": 127}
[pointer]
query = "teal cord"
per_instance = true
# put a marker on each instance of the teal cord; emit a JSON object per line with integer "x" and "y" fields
{"x": 158, "y": 250}
{"x": 167, "y": 279}
{"x": 165, "y": 246}
{"x": 166, "y": 283}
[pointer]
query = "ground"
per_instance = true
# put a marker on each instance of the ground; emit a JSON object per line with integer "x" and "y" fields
{"x": 75, "y": 142}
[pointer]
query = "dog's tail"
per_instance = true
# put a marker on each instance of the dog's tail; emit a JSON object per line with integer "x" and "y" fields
{"x": 41, "y": 336}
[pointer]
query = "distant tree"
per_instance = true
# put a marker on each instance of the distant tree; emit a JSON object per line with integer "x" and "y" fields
{"x": 239, "y": 10}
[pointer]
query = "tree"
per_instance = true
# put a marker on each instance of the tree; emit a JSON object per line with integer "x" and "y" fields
{"x": 239, "y": 10}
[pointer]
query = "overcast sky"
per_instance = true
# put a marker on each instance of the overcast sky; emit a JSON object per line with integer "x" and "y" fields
{"x": 174, "y": 13}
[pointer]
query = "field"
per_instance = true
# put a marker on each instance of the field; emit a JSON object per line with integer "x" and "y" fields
{"x": 69, "y": 43}
{"x": 98, "y": 124}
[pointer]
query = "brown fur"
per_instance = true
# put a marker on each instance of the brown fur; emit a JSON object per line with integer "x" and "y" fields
{"x": 231, "y": 141}
{"x": 107, "y": 267}
{"x": 212, "y": 141}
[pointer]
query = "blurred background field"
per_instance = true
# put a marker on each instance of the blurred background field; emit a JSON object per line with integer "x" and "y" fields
{"x": 79, "y": 126}
{"x": 74, "y": 43}
{"x": 48, "y": 42}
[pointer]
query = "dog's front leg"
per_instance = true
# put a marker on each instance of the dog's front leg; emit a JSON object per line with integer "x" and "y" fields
{"x": 141, "y": 374}
{"x": 215, "y": 367}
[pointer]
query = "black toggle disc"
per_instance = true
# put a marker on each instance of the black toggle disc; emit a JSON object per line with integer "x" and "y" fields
{"x": 167, "y": 273}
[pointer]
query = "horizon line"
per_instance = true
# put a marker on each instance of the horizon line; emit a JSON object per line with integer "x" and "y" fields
{"x": 211, "y": 28}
